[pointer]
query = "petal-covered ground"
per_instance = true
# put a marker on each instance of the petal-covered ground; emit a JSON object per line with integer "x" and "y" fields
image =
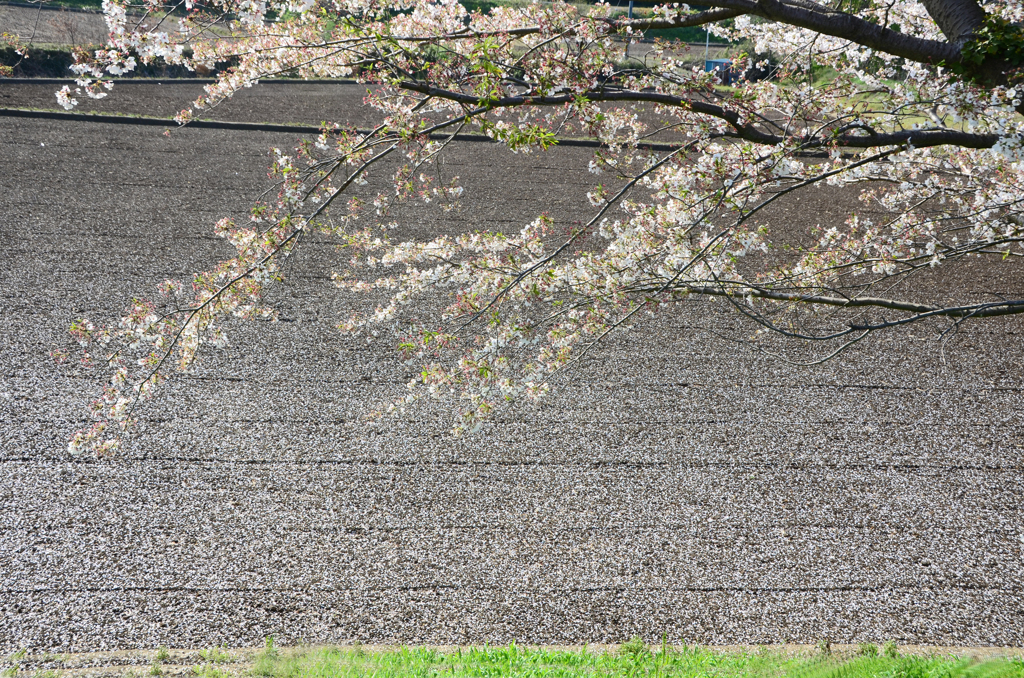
{"x": 678, "y": 484}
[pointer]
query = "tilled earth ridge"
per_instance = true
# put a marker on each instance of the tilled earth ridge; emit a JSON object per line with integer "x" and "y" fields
{"x": 270, "y": 101}
{"x": 678, "y": 484}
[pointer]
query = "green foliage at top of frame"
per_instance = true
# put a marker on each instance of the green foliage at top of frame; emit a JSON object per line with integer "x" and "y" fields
{"x": 96, "y": 5}
{"x": 688, "y": 34}
{"x": 633, "y": 660}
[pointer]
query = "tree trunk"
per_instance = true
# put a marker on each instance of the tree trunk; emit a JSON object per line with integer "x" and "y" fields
{"x": 956, "y": 18}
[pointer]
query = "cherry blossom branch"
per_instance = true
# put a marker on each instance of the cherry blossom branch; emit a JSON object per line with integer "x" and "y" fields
{"x": 565, "y": 245}
{"x": 917, "y": 138}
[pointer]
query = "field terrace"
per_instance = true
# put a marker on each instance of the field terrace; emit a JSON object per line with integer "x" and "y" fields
{"x": 678, "y": 485}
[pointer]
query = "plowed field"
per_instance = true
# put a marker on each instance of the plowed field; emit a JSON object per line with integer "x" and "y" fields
{"x": 678, "y": 485}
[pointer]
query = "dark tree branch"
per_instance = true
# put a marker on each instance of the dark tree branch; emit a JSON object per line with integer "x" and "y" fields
{"x": 684, "y": 20}
{"x": 824, "y": 20}
{"x": 802, "y": 13}
{"x": 982, "y": 310}
{"x": 919, "y": 138}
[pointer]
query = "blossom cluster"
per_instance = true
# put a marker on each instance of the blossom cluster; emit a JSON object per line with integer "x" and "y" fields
{"x": 940, "y": 156}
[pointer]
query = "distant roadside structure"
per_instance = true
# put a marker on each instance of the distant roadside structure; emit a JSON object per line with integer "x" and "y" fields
{"x": 723, "y": 67}
{"x": 729, "y": 74}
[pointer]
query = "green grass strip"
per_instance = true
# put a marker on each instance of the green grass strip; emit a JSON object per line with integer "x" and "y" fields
{"x": 632, "y": 660}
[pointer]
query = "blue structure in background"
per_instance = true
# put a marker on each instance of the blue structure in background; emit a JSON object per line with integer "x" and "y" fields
{"x": 724, "y": 68}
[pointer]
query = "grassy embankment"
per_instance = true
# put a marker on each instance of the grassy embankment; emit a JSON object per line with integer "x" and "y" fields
{"x": 71, "y": 4}
{"x": 689, "y": 34}
{"x": 52, "y": 60}
{"x": 631, "y": 660}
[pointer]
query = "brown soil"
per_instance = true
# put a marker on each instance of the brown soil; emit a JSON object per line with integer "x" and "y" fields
{"x": 677, "y": 484}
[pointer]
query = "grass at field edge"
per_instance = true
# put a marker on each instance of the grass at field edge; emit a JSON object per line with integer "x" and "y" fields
{"x": 630, "y": 660}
